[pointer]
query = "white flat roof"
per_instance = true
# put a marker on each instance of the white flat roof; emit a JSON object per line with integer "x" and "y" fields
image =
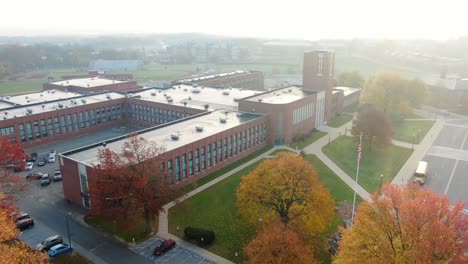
{"x": 347, "y": 90}
{"x": 280, "y": 96}
{"x": 52, "y": 106}
{"x": 212, "y": 76}
{"x": 87, "y": 82}
{"x": 40, "y": 97}
{"x": 197, "y": 97}
{"x": 185, "y": 130}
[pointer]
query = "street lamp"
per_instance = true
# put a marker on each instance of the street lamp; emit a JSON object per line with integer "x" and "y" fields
{"x": 68, "y": 229}
{"x": 381, "y": 180}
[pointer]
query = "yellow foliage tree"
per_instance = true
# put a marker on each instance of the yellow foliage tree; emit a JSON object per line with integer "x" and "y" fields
{"x": 277, "y": 244}
{"x": 286, "y": 188}
{"x": 13, "y": 251}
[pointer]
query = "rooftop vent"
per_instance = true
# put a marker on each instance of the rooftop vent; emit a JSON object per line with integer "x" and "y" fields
{"x": 6, "y": 113}
{"x": 199, "y": 129}
{"x": 222, "y": 119}
{"x": 185, "y": 89}
{"x": 190, "y": 98}
{"x": 260, "y": 99}
{"x": 108, "y": 96}
{"x": 153, "y": 93}
{"x": 60, "y": 105}
{"x": 83, "y": 101}
{"x": 225, "y": 92}
{"x": 207, "y": 106}
{"x": 196, "y": 90}
{"x": 42, "y": 95}
{"x": 29, "y": 110}
{"x": 289, "y": 90}
{"x": 174, "y": 137}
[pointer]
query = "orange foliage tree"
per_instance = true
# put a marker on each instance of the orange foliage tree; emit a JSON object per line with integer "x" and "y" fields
{"x": 277, "y": 244}
{"x": 130, "y": 183}
{"x": 286, "y": 188}
{"x": 11, "y": 249}
{"x": 406, "y": 224}
{"x": 10, "y": 184}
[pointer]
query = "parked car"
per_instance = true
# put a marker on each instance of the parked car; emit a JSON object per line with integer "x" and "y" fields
{"x": 57, "y": 175}
{"x": 32, "y": 157}
{"x": 45, "y": 180}
{"x": 34, "y": 176}
{"x": 23, "y": 221}
{"x": 49, "y": 242}
{"x": 59, "y": 249}
{"x": 42, "y": 162}
{"x": 28, "y": 166}
{"x": 165, "y": 246}
{"x": 53, "y": 152}
{"x": 51, "y": 159}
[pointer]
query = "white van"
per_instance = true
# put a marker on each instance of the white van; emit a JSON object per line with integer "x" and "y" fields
{"x": 51, "y": 158}
{"x": 421, "y": 172}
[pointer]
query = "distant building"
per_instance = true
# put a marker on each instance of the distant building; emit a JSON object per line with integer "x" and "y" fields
{"x": 115, "y": 65}
{"x": 253, "y": 80}
{"x": 451, "y": 92}
{"x": 91, "y": 85}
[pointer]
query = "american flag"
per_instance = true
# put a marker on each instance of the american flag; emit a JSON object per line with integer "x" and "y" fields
{"x": 359, "y": 152}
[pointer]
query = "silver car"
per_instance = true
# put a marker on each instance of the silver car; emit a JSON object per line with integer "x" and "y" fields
{"x": 49, "y": 242}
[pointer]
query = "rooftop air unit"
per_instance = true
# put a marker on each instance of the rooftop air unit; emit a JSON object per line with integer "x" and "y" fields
{"x": 199, "y": 128}
{"x": 83, "y": 101}
{"x": 222, "y": 119}
{"x": 60, "y": 105}
{"x": 153, "y": 93}
{"x": 108, "y": 96}
{"x": 29, "y": 110}
{"x": 174, "y": 137}
{"x": 225, "y": 92}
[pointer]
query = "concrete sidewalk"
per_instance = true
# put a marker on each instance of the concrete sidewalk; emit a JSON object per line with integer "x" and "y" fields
{"x": 316, "y": 149}
{"x": 420, "y": 150}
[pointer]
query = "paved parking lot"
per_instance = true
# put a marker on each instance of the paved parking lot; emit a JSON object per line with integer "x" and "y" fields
{"x": 448, "y": 161}
{"x": 174, "y": 256}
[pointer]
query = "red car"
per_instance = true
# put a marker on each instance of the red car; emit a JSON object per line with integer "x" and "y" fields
{"x": 165, "y": 246}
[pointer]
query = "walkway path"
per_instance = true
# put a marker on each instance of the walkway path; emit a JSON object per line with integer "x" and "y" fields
{"x": 163, "y": 215}
{"x": 316, "y": 149}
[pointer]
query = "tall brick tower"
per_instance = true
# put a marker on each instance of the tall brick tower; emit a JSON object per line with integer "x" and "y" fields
{"x": 318, "y": 75}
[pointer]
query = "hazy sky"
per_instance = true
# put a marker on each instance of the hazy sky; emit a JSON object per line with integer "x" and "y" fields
{"x": 252, "y": 18}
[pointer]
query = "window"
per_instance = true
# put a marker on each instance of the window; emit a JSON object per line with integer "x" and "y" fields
{"x": 169, "y": 171}
{"x": 57, "y": 125}
{"x": 235, "y": 144}
{"x": 7, "y": 130}
{"x": 225, "y": 148}
{"x": 22, "y": 133}
{"x": 320, "y": 64}
{"x": 87, "y": 118}
{"x": 30, "y": 132}
{"x": 113, "y": 113}
{"x": 220, "y": 151}
{"x": 208, "y": 158}
{"x": 51, "y": 127}
{"x": 108, "y": 113}
{"x": 75, "y": 120}
{"x": 203, "y": 164}
{"x": 184, "y": 166}
{"x": 215, "y": 156}
{"x": 37, "y": 131}
{"x": 230, "y": 146}
{"x": 81, "y": 120}
{"x": 177, "y": 169}
{"x": 197, "y": 161}
{"x": 93, "y": 121}
{"x": 64, "y": 124}
{"x": 70, "y": 124}
{"x": 98, "y": 116}
{"x": 43, "y": 128}
{"x": 190, "y": 156}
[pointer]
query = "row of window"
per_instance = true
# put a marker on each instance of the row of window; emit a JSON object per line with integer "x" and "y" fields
{"x": 302, "y": 113}
{"x": 210, "y": 155}
{"x": 67, "y": 123}
{"x": 7, "y": 130}
{"x": 153, "y": 114}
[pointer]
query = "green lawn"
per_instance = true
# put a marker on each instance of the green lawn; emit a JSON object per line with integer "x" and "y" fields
{"x": 340, "y": 120}
{"x": 215, "y": 209}
{"x": 311, "y": 138}
{"x": 13, "y": 88}
{"x": 137, "y": 231}
{"x": 414, "y": 116}
{"x": 409, "y": 130}
{"x": 386, "y": 160}
{"x": 460, "y": 111}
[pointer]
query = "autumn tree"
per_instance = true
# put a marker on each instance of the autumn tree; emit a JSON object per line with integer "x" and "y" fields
{"x": 12, "y": 250}
{"x": 130, "y": 183}
{"x": 286, "y": 189}
{"x": 10, "y": 184}
{"x": 406, "y": 224}
{"x": 277, "y": 244}
{"x": 394, "y": 94}
{"x": 374, "y": 125}
{"x": 350, "y": 79}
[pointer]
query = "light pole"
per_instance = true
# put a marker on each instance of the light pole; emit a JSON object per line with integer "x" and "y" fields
{"x": 68, "y": 229}
{"x": 381, "y": 180}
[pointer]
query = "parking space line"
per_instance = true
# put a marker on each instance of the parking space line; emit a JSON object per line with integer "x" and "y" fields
{"x": 464, "y": 140}
{"x": 451, "y": 177}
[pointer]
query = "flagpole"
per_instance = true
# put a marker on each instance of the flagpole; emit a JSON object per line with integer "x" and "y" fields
{"x": 357, "y": 177}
